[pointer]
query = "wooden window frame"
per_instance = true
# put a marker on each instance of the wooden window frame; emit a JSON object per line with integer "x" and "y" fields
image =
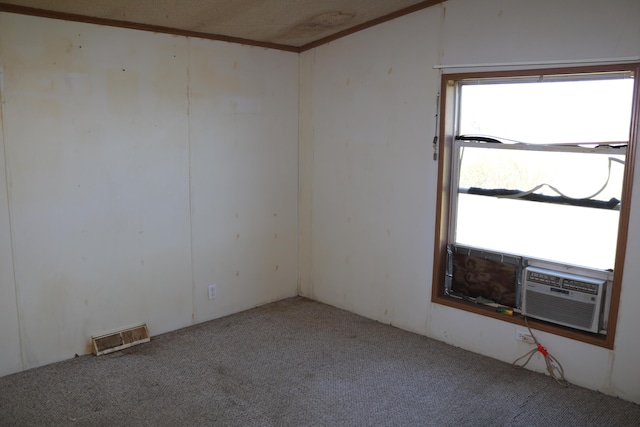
{"x": 444, "y": 194}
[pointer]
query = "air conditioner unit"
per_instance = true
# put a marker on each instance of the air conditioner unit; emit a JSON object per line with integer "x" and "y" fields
{"x": 563, "y": 298}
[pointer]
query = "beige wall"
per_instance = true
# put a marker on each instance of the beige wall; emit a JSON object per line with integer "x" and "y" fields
{"x": 372, "y": 102}
{"x": 368, "y": 103}
{"x": 10, "y": 360}
{"x": 142, "y": 168}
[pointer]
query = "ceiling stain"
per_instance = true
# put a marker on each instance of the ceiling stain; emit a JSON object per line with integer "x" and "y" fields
{"x": 326, "y": 21}
{"x": 317, "y": 26}
{"x": 280, "y": 24}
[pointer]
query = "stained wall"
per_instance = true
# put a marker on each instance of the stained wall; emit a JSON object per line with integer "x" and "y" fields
{"x": 368, "y": 108}
{"x": 140, "y": 169}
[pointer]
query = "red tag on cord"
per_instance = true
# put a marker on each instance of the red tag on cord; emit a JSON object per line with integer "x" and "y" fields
{"x": 542, "y": 350}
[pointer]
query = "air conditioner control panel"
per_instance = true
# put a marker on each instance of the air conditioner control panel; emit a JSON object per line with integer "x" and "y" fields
{"x": 569, "y": 283}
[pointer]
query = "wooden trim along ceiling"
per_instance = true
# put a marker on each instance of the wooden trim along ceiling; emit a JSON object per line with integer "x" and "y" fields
{"x": 407, "y": 10}
{"x": 23, "y": 10}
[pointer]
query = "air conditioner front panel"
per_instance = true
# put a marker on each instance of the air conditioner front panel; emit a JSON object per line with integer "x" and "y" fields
{"x": 563, "y": 298}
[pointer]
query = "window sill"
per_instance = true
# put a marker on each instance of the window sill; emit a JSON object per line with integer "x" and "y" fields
{"x": 586, "y": 337}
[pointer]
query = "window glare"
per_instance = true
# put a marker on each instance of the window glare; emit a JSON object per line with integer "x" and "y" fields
{"x": 561, "y": 233}
{"x": 575, "y": 175}
{"x": 549, "y": 112}
{"x": 568, "y": 234}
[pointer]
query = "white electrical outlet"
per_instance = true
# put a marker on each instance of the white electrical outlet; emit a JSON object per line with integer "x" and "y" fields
{"x": 524, "y": 336}
{"x": 212, "y": 291}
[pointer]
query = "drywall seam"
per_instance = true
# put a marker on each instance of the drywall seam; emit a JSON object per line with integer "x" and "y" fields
{"x": 312, "y": 139}
{"x": 298, "y": 217}
{"x": 189, "y": 170}
{"x": 9, "y": 212}
{"x": 305, "y": 173}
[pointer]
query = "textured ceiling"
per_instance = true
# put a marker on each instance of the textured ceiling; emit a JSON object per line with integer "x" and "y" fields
{"x": 283, "y": 23}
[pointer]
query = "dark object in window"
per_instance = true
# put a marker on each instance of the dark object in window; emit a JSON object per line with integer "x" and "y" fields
{"x": 587, "y": 203}
{"x": 478, "y": 277}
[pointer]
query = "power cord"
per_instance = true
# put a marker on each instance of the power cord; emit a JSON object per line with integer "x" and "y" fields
{"x": 554, "y": 367}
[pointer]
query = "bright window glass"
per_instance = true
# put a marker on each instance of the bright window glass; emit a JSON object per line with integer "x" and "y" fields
{"x": 585, "y": 111}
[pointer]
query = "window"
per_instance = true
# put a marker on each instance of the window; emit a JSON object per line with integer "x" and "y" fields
{"x": 535, "y": 167}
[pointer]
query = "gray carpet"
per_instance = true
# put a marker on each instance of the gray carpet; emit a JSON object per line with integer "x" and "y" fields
{"x": 298, "y": 363}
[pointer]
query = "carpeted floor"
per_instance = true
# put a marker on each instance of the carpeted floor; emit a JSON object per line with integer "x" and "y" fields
{"x": 298, "y": 363}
